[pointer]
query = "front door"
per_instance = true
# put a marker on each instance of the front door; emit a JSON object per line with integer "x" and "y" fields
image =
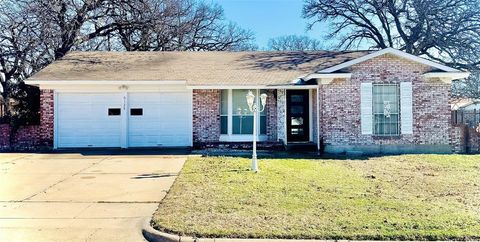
{"x": 298, "y": 129}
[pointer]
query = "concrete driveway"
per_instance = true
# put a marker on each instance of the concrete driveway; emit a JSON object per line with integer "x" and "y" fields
{"x": 75, "y": 197}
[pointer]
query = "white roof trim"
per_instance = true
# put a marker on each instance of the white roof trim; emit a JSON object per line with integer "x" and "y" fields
{"x": 327, "y": 78}
{"x": 393, "y": 52}
{"x": 255, "y": 87}
{"x": 447, "y": 77}
{"x": 105, "y": 82}
{"x": 327, "y": 75}
{"x": 453, "y": 75}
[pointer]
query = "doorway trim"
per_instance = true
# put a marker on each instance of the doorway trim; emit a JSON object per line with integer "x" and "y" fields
{"x": 310, "y": 117}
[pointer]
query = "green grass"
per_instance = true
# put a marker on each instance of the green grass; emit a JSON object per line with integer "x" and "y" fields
{"x": 408, "y": 197}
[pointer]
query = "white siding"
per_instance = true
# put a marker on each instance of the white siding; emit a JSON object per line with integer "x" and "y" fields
{"x": 366, "y": 105}
{"x": 406, "y": 110}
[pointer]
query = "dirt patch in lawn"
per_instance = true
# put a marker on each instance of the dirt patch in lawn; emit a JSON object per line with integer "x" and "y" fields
{"x": 409, "y": 197}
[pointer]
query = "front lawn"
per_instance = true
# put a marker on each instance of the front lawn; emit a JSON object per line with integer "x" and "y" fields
{"x": 408, "y": 197}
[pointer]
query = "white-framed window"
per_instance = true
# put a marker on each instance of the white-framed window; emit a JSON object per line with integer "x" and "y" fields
{"x": 224, "y": 111}
{"x": 235, "y": 116}
{"x": 386, "y": 109}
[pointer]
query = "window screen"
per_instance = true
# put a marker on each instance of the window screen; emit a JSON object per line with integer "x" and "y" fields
{"x": 224, "y": 112}
{"x": 242, "y": 117}
{"x": 386, "y": 109}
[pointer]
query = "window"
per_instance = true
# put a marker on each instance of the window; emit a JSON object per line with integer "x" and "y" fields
{"x": 114, "y": 112}
{"x": 136, "y": 111}
{"x": 224, "y": 112}
{"x": 386, "y": 109}
{"x": 234, "y": 106}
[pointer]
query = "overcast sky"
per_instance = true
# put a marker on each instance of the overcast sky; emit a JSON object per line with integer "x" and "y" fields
{"x": 269, "y": 18}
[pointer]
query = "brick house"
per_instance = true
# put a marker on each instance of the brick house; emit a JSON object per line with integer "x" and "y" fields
{"x": 382, "y": 101}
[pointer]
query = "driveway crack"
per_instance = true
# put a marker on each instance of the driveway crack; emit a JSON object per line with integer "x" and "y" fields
{"x": 62, "y": 180}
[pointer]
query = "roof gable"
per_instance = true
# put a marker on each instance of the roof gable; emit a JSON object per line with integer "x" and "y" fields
{"x": 391, "y": 51}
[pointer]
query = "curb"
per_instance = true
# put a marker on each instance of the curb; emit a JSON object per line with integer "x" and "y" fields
{"x": 153, "y": 235}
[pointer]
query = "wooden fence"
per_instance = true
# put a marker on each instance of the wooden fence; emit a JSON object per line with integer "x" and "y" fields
{"x": 471, "y": 118}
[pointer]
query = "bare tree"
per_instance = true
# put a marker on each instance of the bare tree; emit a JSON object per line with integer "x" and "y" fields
{"x": 444, "y": 30}
{"x": 33, "y": 33}
{"x": 182, "y": 25}
{"x": 22, "y": 52}
{"x": 294, "y": 43}
{"x": 468, "y": 88}
{"x": 67, "y": 24}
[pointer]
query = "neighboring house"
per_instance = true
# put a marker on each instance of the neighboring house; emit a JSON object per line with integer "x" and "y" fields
{"x": 467, "y": 104}
{"x": 466, "y": 111}
{"x": 369, "y": 101}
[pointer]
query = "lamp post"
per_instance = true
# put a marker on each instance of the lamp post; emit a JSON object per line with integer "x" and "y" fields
{"x": 255, "y": 109}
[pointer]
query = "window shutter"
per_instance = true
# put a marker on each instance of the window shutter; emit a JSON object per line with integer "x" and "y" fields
{"x": 406, "y": 110}
{"x": 366, "y": 106}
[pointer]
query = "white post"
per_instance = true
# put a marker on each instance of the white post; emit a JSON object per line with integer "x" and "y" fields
{"x": 254, "y": 155}
{"x": 255, "y": 107}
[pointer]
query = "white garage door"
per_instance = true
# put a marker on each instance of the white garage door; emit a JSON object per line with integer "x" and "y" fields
{"x": 95, "y": 120}
{"x": 84, "y": 120}
{"x": 159, "y": 119}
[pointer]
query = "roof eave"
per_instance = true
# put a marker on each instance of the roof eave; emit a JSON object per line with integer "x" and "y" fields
{"x": 106, "y": 82}
{"x": 393, "y": 52}
{"x": 447, "y": 77}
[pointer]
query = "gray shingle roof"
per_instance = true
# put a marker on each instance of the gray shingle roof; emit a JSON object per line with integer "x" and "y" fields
{"x": 196, "y": 68}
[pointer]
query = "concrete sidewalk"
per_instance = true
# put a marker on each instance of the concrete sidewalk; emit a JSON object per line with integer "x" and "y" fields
{"x": 78, "y": 197}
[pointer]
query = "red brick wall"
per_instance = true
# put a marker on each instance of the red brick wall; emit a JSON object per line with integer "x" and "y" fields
{"x": 32, "y": 137}
{"x": 206, "y": 115}
{"x": 340, "y": 104}
{"x": 4, "y": 136}
{"x": 465, "y": 139}
{"x": 459, "y": 139}
{"x": 26, "y": 138}
{"x": 272, "y": 115}
{"x": 472, "y": 140}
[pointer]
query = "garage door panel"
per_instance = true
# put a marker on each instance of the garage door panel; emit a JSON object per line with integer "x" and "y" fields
{"x": 81, "y": 114}
{"x": 166, "y": 117}
{"x": 83, "y": 120}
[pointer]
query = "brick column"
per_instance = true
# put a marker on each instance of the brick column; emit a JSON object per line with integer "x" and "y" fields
{"x": 46, "y": 117}
{"x": 271, "y": 107}
{"x": 281, "y": 114}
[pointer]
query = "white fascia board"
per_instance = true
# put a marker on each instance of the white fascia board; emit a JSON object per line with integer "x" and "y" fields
{"x": 447, "y": 77}
{"x": 327, "y": 78}
{"x": 328, "y": 75}
{"x": 453, "y": 75}
{"x": 255, "y": 87}
{"x": 105, "y": 82}
{"x": 393, "y": 52}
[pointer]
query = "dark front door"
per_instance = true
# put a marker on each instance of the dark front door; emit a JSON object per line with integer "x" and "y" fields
{"x": 298, "y": 116}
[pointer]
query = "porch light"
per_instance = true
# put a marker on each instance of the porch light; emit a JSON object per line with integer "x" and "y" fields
{"x": 263, "y": 99}
{"x": 250, "y": 100}
{"x": 255, "y": 109}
